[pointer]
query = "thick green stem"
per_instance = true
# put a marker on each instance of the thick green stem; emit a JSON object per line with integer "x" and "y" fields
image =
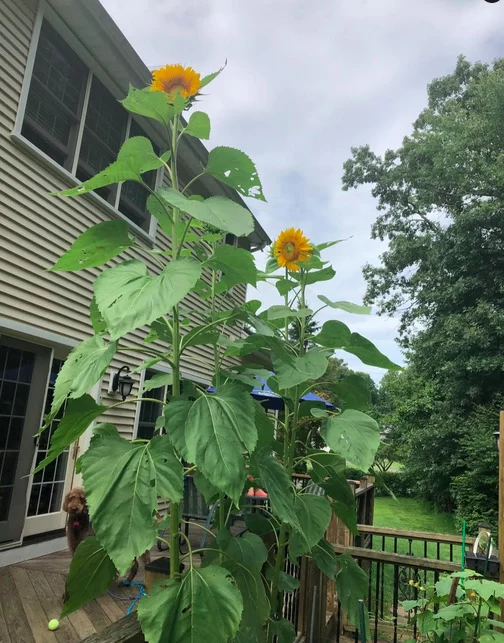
{"x": 174, "y": 508}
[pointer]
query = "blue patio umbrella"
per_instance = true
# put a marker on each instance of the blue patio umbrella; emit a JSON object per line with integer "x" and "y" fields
{"x": 271, "y": 400}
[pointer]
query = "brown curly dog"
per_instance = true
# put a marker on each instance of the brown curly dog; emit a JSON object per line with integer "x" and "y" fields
{"x": 79, "y": 527}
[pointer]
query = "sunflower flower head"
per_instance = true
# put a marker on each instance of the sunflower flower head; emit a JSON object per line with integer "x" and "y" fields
{"x": 291, "y": 248}
{"x": 174, "y": 80}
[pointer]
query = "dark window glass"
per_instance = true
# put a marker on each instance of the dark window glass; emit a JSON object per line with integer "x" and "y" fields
{"x": 55, "y": 97}
{"x": 103, "y": 135}
{"x": 133, "y": 201}
{"x": 150, "y": 411}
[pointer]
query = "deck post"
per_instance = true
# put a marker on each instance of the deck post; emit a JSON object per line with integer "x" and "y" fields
{"x": 500, "y": 530}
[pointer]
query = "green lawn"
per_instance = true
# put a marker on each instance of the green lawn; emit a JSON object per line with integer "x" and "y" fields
{"x": 412, "y": 514}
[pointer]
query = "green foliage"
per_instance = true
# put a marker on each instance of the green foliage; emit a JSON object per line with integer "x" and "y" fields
{"x": 234, "y": 168}
{"x": 91, "y": 573}
{"x": 135, "y": 157}
{"x": 198, "y": 125}
{"x": 218, "y": 211}
{"x": 123, "y": 502}
{"x": 128, "y": 297}
{"x": 96, "y": 246}
{"x": 213, "y": 432}
{"x": 224, "y": 437}
{"x": 181, "y": 611}
{"x": 353, "y": 435}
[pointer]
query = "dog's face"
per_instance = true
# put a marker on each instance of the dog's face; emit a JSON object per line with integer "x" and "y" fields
{"x": 75, "y": 501}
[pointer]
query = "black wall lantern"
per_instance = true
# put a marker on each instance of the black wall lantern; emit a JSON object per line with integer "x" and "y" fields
{"x": 122, "y": 383}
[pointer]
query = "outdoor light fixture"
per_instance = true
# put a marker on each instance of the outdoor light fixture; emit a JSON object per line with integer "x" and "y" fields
{"x": 122, "y": 383}
{"x": 496, "y": 435}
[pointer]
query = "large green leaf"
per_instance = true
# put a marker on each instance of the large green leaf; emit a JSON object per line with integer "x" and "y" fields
{"x": 209, "y": 491}
{"x": 96, "y": 246}
{"x": 353, "y": 435}
{"x": 122, "y": 481}
{"x": 310, "y": 366}
{"x": 347, "y": 306}
{"x": 213, "y": 432}
{"x": 236, "y": 169}
{"x": 160, "y": 380}
{"x": 351, "y": 585}
{"x": 283, "y": 312}
{"x": 326, "y": 274}
{"x": 159, "y": 211}
{"x": 82, "y": 369}
{"x": 314, "y": 514}
{"x": 145, "y": 102}
{"x": 210, "y": 77}
{"x": 204, "y": 605}
{"x": 247, "y": 549}
{"x": 91, "y": 573}
{"x": 367, "y": 352}
{"x": 96, "y": 319}
{"x": 237, "y": 265}
{"x": 336, "y": 334}
{"x": 279, "y": 487}
{"x": 286, "y": 582}
{"x": 218, "y": 211}
{"x": 128, "y": 297}
{"x": 135, "y": 157}
{"x": 198, "y": 125}
{"x": 78, "y": 416}
{"x": 261, "y": 341}
{"x": 324, "y": 557}
{"x": 265, "y": 427}
{"x": 283, "y": 630}
{"x": 353, "y": 392}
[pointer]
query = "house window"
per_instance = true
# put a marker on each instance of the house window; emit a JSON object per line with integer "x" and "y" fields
{"x": 150, "y": 411}
{"x": 54, "y": 105}
{"x": 55, "y": 115}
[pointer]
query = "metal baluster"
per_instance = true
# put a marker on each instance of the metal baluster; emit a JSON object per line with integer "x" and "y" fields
{"x": 395, "y": 600}
{"x": 451, "y": 552}
{"x": 377, "y": 599}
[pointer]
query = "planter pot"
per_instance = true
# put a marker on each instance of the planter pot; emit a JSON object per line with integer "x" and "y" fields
{"x": 477, "y": 563}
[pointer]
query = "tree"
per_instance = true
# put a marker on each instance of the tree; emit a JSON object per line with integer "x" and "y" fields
{"x": 441, "y": 202}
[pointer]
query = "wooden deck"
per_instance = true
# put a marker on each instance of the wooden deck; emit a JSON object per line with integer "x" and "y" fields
{"x": 31, "y": 595}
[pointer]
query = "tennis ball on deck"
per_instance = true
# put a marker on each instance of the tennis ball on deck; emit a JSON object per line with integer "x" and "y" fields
{"x": 53, "y": 624}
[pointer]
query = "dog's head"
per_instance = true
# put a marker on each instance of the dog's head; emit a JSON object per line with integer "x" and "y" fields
{"x": 75, "y": 501}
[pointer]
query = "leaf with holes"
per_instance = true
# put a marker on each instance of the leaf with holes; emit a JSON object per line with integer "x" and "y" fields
{"x": 236, "y": 264}
{"x": 353, "y": 435}
{"x": 234, "y": 168}
{"x": 181, "y": 611}
{"x": 96, "y": 318}
{"x": 213, "y": 432}
{"x": 198, "y": 125}
{"x": 91, "y": 573}
{"x": 151, "y": 104}
{"x": 347, "y": 306}
{"x": 123, "y": 502}
{"x": 96, "y": 246}
{"x": 78, "y": 416}
{"x": 135, "y": 157}
{"x": 314, "y": 514}
{"x": 218, "y": 211}
{"x": 310, "y": 366}
{"x": 82, "y": 369}
{"x": 128, "y": 297}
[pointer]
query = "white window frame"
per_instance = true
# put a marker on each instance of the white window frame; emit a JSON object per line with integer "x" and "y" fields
{"x": 45, "y": 12}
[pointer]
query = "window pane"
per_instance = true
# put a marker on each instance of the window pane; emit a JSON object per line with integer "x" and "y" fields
{"x": 149, "y": 411}
{"x": 104, "y": 130}
{"x": 55, "y": 96}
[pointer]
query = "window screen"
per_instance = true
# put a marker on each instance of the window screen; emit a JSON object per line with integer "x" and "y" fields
{"x": 150, "y": 411}
{"x": 55, "y": 97}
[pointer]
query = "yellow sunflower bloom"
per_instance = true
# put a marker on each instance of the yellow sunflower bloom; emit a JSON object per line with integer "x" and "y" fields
{"x": 175, "y": 79}
{"x": 292, "y": 247}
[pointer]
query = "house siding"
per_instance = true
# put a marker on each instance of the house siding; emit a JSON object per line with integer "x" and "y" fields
{"x": 35, "y": 229}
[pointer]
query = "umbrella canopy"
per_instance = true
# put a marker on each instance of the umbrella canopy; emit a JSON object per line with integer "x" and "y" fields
{"x": 271, "y": 400}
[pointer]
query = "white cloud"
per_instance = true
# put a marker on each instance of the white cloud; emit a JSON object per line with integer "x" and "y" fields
{"x": 304, "y": 83}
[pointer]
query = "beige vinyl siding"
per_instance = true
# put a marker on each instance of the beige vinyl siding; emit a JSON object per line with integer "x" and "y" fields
{"x": 35, "y": 229}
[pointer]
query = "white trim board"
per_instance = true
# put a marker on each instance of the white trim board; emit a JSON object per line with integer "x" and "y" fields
{"x": 28, "y": 552}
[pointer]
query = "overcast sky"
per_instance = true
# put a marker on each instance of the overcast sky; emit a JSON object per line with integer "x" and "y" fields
{"x": 306, "y": 81}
